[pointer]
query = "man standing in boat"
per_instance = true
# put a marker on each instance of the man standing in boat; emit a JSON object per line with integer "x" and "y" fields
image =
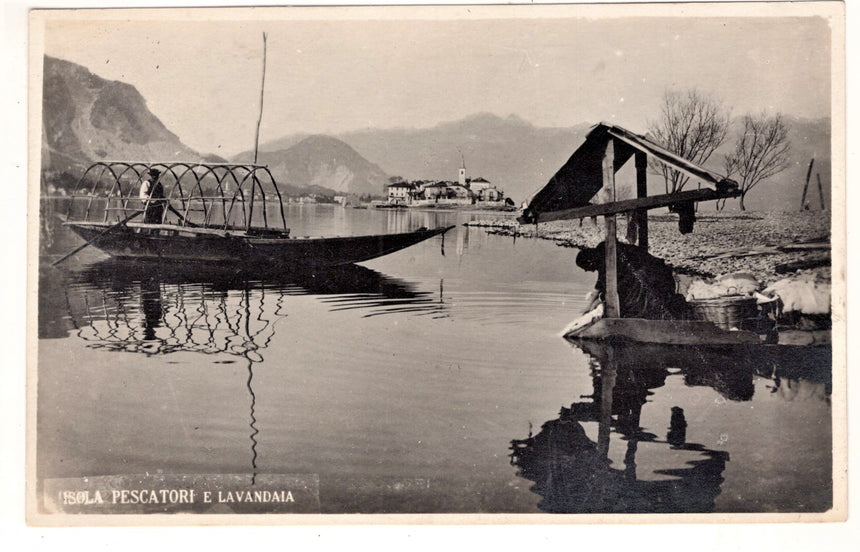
{"x": 152, "y": 195}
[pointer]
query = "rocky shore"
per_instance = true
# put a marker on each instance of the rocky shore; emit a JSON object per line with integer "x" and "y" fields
{"x": 770, "y": 246}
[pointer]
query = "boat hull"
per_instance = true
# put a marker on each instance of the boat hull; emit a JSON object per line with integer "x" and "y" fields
{"x": 178, "y": 244}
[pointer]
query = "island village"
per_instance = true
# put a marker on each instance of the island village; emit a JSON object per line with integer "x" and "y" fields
{"x": 478, "y": 192}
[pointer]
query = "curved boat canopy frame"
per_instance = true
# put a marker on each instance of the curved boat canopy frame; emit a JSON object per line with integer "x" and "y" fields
{"x": 225, "y": 196}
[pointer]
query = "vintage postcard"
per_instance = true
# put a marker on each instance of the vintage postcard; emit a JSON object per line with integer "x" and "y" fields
{"x": 460, "y": 264}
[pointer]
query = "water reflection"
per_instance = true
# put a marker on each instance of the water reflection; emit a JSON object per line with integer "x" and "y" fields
{"x": 156, "y": 309}
{"x": 574, "y": 474}
{"x": 160, "y": 310}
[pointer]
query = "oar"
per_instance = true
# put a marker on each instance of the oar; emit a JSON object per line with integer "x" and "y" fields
{"x": 181, "y": 217}
{"x": 96, "y": 238}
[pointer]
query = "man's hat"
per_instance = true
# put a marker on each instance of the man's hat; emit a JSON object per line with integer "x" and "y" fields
{"x": 154, "y": 173}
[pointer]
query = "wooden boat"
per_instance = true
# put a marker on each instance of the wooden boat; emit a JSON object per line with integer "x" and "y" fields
{"x": 175, "y": 243}
{"x": 210, "y": 213}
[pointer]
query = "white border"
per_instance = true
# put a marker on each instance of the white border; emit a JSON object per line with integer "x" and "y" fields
{"x": 805, "y": 537}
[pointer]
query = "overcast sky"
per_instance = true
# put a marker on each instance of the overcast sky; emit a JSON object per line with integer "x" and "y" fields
{"x": 202, "y": 78}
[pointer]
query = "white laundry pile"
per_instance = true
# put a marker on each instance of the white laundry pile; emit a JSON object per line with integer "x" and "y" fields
{"x": 803, "y": 296}
{"x": 737, "y": 283}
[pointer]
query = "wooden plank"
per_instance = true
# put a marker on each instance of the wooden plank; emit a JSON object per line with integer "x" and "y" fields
{"x": 613, "y": 306}
{"x": 647, "y": 203}
{"x": 666, "y": 332}
{"x": 206, "y": 231}
{"x": 665, "y": 156}
{"x": 642, "y": 191}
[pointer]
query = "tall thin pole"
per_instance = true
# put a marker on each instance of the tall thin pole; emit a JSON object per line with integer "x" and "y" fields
{"x": 820, "y": 191}
{"x": 806, "y": 185}
{"x": 262, "y": 88}
{"x": 257, "y": 142}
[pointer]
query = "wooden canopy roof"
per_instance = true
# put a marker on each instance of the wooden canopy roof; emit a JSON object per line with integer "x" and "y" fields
{"x": 569, "y": 192}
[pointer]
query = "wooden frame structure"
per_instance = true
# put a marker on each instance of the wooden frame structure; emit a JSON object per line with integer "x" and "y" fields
{"x": 590, "y": 172}
{"x": 203, "y": 195}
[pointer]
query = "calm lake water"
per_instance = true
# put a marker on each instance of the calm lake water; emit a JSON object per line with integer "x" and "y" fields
{"x": 430, "y": 380}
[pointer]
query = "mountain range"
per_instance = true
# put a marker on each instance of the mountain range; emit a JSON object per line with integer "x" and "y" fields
{"x": 87, "y": 118}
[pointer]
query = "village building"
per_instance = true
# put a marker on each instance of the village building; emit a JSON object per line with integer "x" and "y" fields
{"x": 400, "y": 193}
{"x": 485, "y": 191}
{"x": 491, "y": 194}
{"x": 478, "y": 184}
{"x": 461, "y": 192}
{"x": 433, "y": 192}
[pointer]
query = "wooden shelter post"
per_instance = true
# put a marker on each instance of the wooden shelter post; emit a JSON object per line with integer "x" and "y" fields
{"x": 613, "y": 309}
{"x": 608, "y": 375}
{"x": 641, "y": 215}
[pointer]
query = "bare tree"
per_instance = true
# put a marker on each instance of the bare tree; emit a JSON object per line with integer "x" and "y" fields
{"x": 692, "y": 125}
{"x": 760, "y": 153}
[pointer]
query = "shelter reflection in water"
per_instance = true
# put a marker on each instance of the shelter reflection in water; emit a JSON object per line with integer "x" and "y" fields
{"x": 574, "y": 474}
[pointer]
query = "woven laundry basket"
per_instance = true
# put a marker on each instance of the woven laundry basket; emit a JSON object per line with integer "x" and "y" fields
{"x": 727, "y": 311}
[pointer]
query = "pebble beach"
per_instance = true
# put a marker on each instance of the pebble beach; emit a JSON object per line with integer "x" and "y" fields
{"x": 769, "y": 245}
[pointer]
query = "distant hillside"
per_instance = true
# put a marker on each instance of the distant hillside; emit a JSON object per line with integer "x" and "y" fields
{"x": 322, "y": 162}
{"x": 87, "y": 118}
{"x": 510, "y": 152}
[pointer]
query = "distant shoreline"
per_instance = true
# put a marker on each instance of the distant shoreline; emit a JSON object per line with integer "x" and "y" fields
{"x": 477, "y": 209}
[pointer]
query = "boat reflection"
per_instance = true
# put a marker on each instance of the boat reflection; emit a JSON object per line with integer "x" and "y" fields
{"x": 153, "y": 309}
{"x": 574, "y": 474}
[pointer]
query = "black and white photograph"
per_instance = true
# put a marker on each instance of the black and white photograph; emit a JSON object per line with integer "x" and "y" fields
{"x": 508, "y": 263}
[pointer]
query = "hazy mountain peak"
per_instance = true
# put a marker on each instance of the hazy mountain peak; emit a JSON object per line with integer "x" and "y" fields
{"x": 488, "y": 121}
{"x": 324, "y": 140}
